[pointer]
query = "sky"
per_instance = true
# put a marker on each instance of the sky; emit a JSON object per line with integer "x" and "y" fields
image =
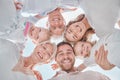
{"x": 46, "y": 70}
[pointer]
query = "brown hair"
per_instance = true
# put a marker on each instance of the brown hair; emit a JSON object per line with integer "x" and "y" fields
{"x": 89, "y": 31}
{"x": 64, "y": 43}
{"x": 83, "y": 19}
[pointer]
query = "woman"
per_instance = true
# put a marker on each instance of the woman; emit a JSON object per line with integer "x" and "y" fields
{"x": 77, "y": 28}
{"x": 42, "y": 53}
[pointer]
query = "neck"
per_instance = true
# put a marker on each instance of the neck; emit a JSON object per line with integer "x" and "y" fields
{"x": 71, "y": 70}
{"x": 28, "y": 62}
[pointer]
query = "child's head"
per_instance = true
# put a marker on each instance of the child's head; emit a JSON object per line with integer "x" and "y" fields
{"x": 38, "y": 34}
{"x": 82, "y": 49}
{"x": 76, "y": 29}
{"x": 56, "y": 22}
{"x": 43, "y": 52}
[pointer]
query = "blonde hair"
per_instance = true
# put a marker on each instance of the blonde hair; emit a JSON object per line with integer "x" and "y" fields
{"x": 54, "y": 52}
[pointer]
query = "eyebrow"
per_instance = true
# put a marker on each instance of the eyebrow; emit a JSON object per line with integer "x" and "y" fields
{"x": 62, "y": 51}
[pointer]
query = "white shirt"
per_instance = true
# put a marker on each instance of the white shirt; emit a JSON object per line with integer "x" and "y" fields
{"x": 9, "y": 26}
{"x": 102, "y": 14}
{"x": 111, "y": 43}
{"x": 92, "y": 75}
{"x": 43, "y": 7}
{"x": 7, "y": 16}
{"x": 9, "y": 55}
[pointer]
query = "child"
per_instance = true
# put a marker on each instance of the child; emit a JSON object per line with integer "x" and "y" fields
{"x": 87, "y": 50}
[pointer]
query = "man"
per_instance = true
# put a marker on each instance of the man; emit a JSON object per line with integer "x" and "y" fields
{"x": 65, "y": 58}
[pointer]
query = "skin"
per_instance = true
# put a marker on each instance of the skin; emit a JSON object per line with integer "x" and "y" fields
{"x": 41, "y": 54}
{"x": 36, "y": 34}
{"x": 65, "y": 57}
{"x": 77, "y": 29}
{"x": 101, "y": 59}
{"x": 82, "y": 49}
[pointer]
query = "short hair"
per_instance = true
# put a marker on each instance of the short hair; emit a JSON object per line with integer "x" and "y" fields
{"x": 64, "y": 43}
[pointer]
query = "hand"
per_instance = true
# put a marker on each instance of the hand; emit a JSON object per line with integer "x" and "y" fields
{"x": 38, "y": 75}
{"x": 18, "y": 5}
{"x": 101, "y": 59}
{"x": 55, "y": 66}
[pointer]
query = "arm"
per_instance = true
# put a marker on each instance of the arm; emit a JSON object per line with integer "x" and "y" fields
{"x": 101, "y": 59}
{"x": 81, "y": 67}
{"x": 38, "y": 75}
{"x": 18, "y": 4}
{"x": 68, "y": 9}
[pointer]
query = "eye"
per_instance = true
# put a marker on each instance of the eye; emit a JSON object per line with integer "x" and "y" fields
{"x": 69, "y": 52}
{"x": 75, "y": 37}
{"x": 77, "y": 25}
{"x": 37, "y": 37}
{"x": 60, "y": 54}
{"x": 80, "y": 30}
{"x": 39, "y": 30}
{"x": 60, "y": 27}
{"x": 82, "y": 45}
{"x": 81, "y": 52}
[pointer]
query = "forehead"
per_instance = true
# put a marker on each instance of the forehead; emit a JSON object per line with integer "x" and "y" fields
{"x": 76, "y": 23}
{"x": 56, "y": 12}
{"x": 78, "y": 44}
{"x": 47, "y": 45}
{"x": 64, "y": 47}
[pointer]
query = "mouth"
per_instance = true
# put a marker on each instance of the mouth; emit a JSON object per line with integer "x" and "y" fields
{"x": 56, "y": 19}
{"x": 40, "y": 55}
{"x": 66, "y": 61}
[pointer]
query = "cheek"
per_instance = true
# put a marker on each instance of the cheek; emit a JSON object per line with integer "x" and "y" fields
{"x": 58, "y": 59}
{"x": 46, "y": 57}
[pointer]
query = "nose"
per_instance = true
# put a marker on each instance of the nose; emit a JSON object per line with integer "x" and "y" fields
{"x": 65, "y": 56}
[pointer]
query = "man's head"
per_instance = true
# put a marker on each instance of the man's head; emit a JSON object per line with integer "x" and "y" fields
{"x": 56, "y": 22}
{"x": 65, "y": 56}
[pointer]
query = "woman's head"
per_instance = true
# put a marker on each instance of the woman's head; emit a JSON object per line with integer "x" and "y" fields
{"x": 82, "y": 49}
{"x": 56, "y": 22}
{"x": 38, "y": 34}
{"x": 43, "y": 52}
{"x": 76, "y": 29}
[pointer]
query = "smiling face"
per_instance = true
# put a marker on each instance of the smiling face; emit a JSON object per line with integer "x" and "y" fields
{"x": 36, "y": 34}
{"x": 56, "y": 22}
{"x": 82, "y": 49}
{"x": 42, "y": 52}
{"x": 75, "y": 31}
{"x": 65, "y": 57}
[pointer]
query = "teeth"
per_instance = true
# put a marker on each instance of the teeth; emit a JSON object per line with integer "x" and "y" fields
{"x": 40, "y": 55}
{"x": 66, "y": 61}
{"x": 56, "y": 19}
